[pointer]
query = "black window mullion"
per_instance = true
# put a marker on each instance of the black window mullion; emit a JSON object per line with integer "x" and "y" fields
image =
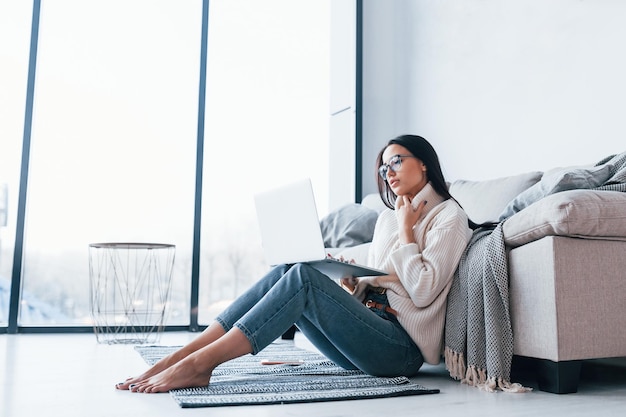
{"x": 195, "y": 263}
{"x": 16, "y": 277}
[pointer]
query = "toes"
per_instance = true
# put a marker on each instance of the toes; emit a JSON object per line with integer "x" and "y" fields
{"x": 126, "y": 384}
{"x": 145, "y": 387}
{"x": 148, "y": 389}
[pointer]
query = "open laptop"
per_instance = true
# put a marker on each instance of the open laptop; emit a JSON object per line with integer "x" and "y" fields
{"x": 291, "y": 233}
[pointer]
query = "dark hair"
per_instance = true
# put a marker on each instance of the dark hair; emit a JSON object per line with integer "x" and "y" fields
{"x": 422, "y": 150}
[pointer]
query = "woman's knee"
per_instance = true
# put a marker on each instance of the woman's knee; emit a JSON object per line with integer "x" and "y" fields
{"x": 273, "y": 276}
{"x": 281, "y": 269}
{"x": 302, "y": 273}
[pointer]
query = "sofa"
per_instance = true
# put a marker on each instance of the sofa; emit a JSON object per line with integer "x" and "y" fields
{"x": 565, "y": 240}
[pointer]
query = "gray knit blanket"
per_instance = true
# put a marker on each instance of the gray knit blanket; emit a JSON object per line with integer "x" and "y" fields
{"x": 478, "y": 334}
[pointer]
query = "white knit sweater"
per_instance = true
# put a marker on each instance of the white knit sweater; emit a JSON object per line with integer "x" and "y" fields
{"x": 420, "y": 274}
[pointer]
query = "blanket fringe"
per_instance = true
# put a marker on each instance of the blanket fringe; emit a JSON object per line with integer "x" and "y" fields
{"x": 455, "y": 364}
{"x": 477, "y": 377}
{"x": 507, "y": 386}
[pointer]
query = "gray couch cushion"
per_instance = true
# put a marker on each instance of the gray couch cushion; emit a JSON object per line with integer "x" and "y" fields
{"x": 349, "y": 225}
{"x": 483, "y": 201}
{"x": 574, "y": 213}
{"x": 557, "y": 180}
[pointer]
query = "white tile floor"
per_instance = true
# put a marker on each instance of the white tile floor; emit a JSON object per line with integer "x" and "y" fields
{"x": 73, "y": 375}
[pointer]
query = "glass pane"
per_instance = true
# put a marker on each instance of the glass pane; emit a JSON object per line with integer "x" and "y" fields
{"x": 15, "y": 26}
{"x": 113, "y": 148}
{"x": 266, "y": 125}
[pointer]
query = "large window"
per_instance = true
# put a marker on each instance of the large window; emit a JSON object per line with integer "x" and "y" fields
{"x": 114, "y": 139}
{"x": 113, "y": 146}
{"x": 266, "y": 125}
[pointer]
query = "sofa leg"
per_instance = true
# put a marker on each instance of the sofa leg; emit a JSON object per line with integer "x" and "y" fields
{"x": 555, "y": 377}
{"x": 558, "y": 377}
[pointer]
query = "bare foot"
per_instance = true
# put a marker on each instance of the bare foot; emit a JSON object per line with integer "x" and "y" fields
{"x": 155, "y": 369}
{"x": 183, "y": 374}
{"x": 192, "y": 365}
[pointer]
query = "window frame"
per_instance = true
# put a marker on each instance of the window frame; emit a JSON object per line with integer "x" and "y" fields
{"x": 13, "y": 326}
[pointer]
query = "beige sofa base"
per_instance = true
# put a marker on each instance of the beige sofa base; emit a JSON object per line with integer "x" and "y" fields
{"x": 567, "y": 305}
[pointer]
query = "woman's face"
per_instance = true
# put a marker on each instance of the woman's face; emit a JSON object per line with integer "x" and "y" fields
{"x": 409, "y": 177}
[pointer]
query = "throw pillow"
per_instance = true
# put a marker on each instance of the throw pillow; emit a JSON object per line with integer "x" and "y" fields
{"x": 349, "y": 225}
{"x": 483, "y": 201}
{"x": 557, "y": 180}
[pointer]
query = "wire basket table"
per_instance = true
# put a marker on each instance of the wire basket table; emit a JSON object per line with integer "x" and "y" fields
{"x": 130, "y": 285}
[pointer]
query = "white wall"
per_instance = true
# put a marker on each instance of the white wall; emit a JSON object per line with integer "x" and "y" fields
{"x": 499, "y": 87}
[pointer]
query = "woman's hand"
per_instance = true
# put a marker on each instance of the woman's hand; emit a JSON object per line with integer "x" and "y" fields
{"x": 407, "y": 217}
{"x": 349, "y": 283}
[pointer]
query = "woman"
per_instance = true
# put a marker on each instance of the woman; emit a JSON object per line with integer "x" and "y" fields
{"x": 398, "y": 317}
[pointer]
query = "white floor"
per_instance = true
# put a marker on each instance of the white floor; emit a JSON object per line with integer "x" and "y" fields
{"x": 73, "y": 375}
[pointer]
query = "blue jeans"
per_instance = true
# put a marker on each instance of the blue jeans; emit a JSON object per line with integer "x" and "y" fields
{"x": 343, "y": 329}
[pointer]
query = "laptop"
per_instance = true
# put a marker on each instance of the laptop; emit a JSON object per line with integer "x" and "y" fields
{"x": 291, "y": 233}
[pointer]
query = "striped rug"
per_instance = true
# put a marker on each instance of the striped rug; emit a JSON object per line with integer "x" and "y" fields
{"x": 246, "y": 381}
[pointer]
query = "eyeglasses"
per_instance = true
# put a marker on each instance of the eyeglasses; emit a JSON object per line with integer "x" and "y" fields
{"x": 394, "y": 164}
